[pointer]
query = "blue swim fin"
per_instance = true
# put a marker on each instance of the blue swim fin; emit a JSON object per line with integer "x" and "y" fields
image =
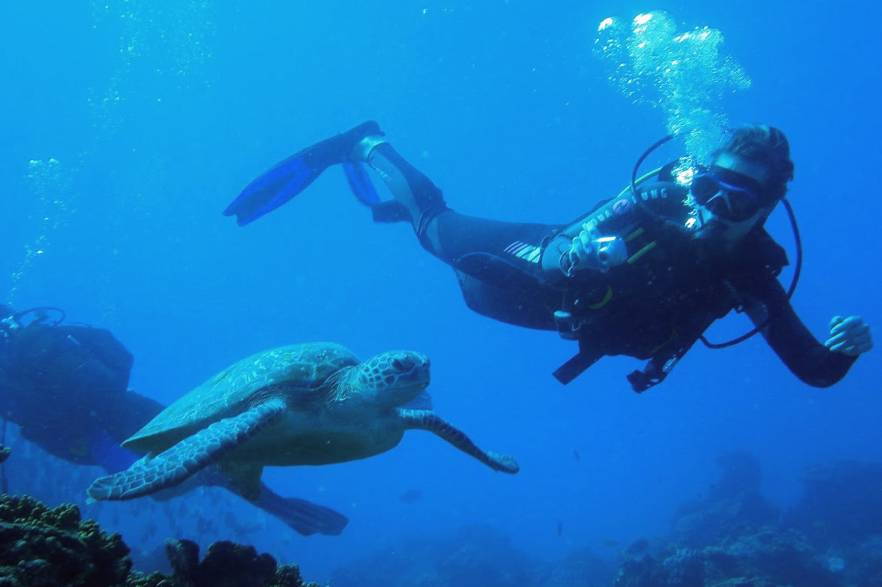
{"x": 360, "y": 183}
{"x": 272, "y": 189}
{"x": 293, "y": 175}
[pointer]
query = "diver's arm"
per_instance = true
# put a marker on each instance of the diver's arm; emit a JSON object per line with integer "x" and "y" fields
{"x": 766, "y": 301}
{"x": 585, "y": 252}
{"x": 595, "y": 243}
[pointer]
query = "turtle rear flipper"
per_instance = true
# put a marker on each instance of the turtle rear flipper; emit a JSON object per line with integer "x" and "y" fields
{"x": 303, "y": 516}
{"x": 428, "y": 420}
{"x": 170, "y": 467}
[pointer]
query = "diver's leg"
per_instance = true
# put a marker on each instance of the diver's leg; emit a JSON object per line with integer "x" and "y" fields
{"x": 414, "y": 192}
{"x": 446, "y": 234}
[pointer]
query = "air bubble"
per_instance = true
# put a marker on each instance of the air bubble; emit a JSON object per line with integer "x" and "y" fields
{"x": 685, "y": 74}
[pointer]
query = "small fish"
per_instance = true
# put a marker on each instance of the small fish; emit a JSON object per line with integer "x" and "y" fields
{"x": 411, "y": 496}
{"x": 577, "y": 456}
{"x": 559, "y": 528}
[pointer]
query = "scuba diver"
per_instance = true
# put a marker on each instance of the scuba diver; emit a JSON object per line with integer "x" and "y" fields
{"x": 60, "y": 381}
{"x": 643, "y": 274}
{"x": 66, "y": 386}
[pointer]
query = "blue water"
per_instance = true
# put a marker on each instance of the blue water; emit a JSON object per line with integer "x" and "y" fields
{"x": 158, "y": 114}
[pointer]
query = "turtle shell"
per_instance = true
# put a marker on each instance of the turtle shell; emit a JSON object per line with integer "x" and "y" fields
{"x": 293, "y": 370}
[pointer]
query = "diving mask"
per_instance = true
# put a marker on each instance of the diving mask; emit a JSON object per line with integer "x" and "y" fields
{"x": 728, "y": 194}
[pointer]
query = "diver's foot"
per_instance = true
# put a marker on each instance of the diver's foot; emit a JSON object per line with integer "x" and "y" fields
{"x": 365, "y": 146}
{"x": 415, "y": 198}
{"x": 344, "y": 146}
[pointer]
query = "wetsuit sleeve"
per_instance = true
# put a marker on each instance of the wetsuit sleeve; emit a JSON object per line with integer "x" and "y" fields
{"x": 803, "y": 354}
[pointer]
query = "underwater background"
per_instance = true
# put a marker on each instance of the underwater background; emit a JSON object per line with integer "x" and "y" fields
{"x": 128, "y": 126}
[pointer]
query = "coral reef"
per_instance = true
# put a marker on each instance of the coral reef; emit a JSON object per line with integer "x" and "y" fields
{"x": 479, "y": 556}
{"x": 731, "y": 506}
{"x": 581, "y": 568}
{"x": 474, "y": 555}
{"x": 152, "y": 559}
{"x": 42, "y": 546}
{"x": 841, "y": 504}
{"x": 765, "y": 557}
{"x": 840, "y": 512}
{"x": 225, "y": 565}
{"x": 732, "y": 536}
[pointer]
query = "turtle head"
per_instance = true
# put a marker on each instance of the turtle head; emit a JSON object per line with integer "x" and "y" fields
{"x": 392, "y": 378}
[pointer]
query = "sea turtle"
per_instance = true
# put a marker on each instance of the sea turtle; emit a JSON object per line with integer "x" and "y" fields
{"x": 305, "y": 404}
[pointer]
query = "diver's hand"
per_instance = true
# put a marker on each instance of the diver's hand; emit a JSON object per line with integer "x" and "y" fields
{"x": 849, "y": 336}
{"x": 590, "y": 251}
{"x": 580, "y": 252}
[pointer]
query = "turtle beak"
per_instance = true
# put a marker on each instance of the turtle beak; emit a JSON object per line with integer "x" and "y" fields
{"x": 409, "y": 362}
{"x": 411, "y": 377}
{"x": 412, "y": 369}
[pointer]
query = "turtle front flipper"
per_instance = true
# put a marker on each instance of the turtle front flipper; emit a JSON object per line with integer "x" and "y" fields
{"x": 170, "y": 467}
{"x": 428, "y": 420}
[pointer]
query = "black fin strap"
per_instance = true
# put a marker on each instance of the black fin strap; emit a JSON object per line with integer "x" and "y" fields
{"x": 577, "y": 364}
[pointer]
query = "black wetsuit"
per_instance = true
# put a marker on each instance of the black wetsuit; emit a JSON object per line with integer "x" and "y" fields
{"x": 654, "y": 306}
{"x": 66, "y": 387}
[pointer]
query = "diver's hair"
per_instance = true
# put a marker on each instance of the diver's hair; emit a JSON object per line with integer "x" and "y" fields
{"x": 766, "y": 145}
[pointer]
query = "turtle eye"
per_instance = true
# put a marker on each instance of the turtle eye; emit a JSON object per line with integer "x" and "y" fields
{"x": 402, "y": 365}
